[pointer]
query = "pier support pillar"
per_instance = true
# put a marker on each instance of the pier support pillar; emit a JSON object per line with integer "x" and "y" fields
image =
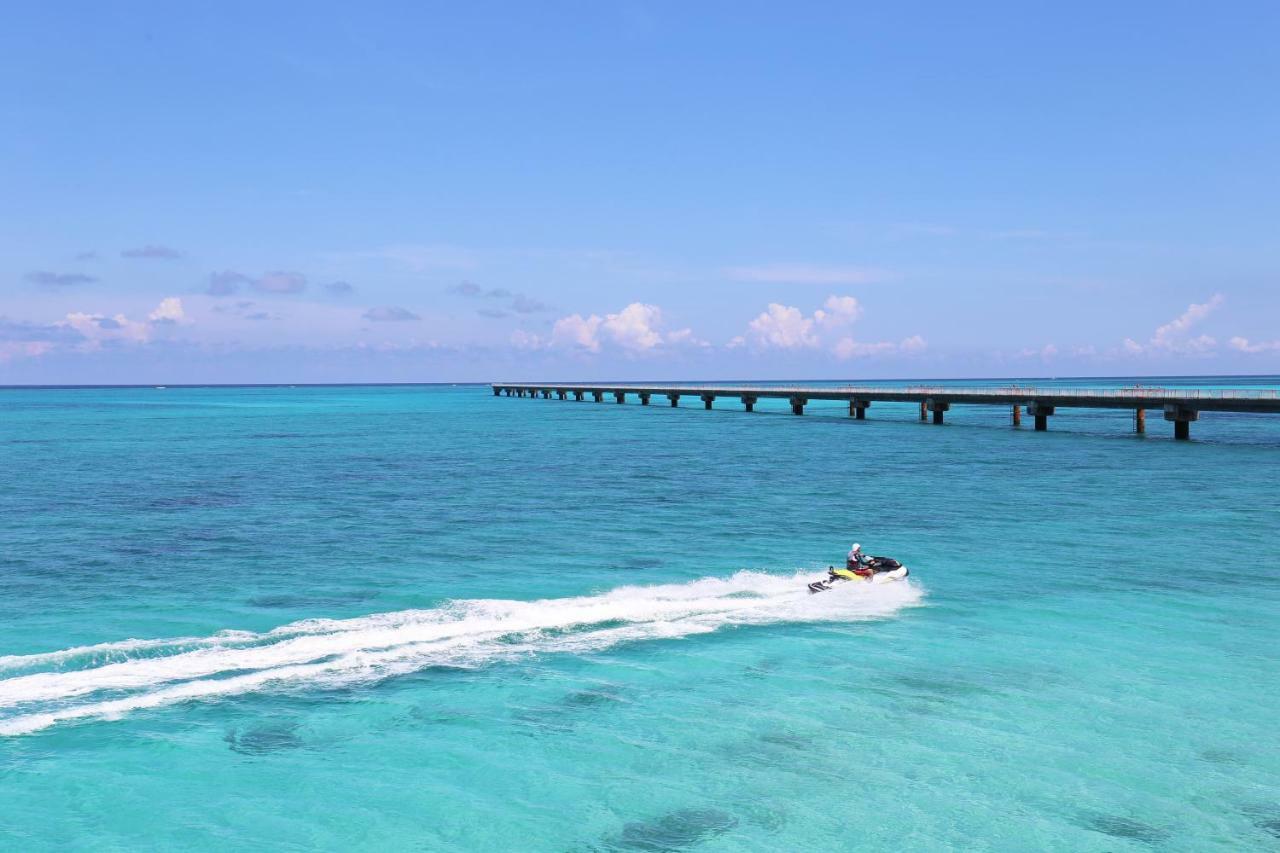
{"x": 924, "y": 411}
{"x": 797, "y": 405}
{"x": 675, "y": 400}
{"x": 708, "y": 399}
{"x": 619, "y": 397}
{"x": 497, "y": 392}
{"x": 598, "y": 396}
{"x": 562, "y": 394}
{"x": 1140, "y": 421}
{"x": 749, "y": 403}
{"x": 644, "y": 399}
{"x": 577, "y": 395}
{"x": 546, "y": 393}
{"x": 858, "y": 409}
{"x": 1041, "y": 413}
{"x": 1017, "y": 416}
{"x": 939, "y": 409}
{"x": 1182, "y": 418}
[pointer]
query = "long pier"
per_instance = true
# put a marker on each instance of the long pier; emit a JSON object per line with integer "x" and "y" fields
{"x": 1180, "y": 406}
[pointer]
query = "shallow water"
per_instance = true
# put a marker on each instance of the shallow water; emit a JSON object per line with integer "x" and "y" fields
{"x": 424, "y": 618}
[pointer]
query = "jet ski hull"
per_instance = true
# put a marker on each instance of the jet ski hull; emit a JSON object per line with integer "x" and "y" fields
{"x": 878, "y": 577}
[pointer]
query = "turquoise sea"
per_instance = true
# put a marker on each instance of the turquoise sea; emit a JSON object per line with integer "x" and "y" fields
{"x": 425, "y": 618}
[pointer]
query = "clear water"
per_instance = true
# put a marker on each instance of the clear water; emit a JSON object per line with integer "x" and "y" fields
{"x": 429, "y": 619}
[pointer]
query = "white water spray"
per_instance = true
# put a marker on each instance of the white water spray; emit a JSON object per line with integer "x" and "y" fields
{"x": 110, "y": 680}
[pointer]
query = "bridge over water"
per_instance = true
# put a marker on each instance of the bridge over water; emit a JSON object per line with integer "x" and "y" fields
{"x": 1180, "y": 406}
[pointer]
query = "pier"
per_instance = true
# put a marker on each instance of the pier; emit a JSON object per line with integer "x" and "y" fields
{"x": 1181, "y": 407}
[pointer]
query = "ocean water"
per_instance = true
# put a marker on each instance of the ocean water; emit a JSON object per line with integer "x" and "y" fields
{"x": 422, "y": 618}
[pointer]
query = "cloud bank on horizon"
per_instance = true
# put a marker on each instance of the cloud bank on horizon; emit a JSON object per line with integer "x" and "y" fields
{"x": 770, "y": 199}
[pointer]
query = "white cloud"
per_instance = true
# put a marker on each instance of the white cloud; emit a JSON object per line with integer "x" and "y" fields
{"x": 1171, "y": 337}
{"x": 637, "y": 328}
{"x": 1165, "y": 335}
{"x": 839, "y": 311}
{"x": 1244, "y": 345}
{"x": 1045, "y": 353}
{"x": 97, "y": 329}
{"x": 915, "y": 343}
{"x": 847, "y": 348}
{"x": 784, "y": 327}
{"x": 168, "y": 311}
{"x": 806, "y": 274}
{"x": 685, "y": 336}
{"x": 577, "y": 331}
{"x": 520, "y": 339}
{"x": 633, "y": 327}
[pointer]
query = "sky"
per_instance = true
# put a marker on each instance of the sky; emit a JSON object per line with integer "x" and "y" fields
{"x": 399, "y": 192}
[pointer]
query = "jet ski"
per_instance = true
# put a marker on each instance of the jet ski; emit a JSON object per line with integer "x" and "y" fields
{"x": 875, "y": 570}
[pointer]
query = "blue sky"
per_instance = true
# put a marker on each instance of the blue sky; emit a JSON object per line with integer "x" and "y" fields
{"x": 246, "y": 192}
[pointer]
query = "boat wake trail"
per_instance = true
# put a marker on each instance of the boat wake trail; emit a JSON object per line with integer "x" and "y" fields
{"x": 110, "y": 680}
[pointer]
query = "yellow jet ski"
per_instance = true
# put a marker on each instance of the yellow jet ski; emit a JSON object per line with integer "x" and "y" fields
{"x": 875, "y": 570}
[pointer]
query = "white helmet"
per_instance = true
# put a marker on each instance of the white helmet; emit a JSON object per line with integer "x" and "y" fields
{"x": 856, "y": 547}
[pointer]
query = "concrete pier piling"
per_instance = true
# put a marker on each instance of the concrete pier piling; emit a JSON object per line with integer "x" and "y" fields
{"x": 1041, "y": 413}
{"x": 1180, "y": 406}
{"x": 1182, "y": 416}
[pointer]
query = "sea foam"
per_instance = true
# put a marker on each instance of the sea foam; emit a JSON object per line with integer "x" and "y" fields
{"x": 110, "y": 680}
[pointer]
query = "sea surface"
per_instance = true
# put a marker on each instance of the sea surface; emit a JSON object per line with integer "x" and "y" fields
{"x": 425, "y": 618}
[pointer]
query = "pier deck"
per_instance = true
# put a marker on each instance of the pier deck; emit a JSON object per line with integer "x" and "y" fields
{"x": 1180, "y": 406}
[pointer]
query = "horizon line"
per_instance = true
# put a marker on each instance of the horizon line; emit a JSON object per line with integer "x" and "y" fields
{"x": 490, "y": 383}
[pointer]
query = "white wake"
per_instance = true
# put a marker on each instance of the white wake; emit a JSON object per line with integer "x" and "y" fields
{"x": 110, "y": 680}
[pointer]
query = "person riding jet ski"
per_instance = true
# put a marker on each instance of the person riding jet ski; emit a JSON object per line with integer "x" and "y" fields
{"x": 858, "y": 562}
{"x": 861, "y": 567}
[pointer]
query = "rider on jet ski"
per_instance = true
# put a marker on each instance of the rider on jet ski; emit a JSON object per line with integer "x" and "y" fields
{"x": 861, "y": 567}
{"x": 858, "y": 562}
